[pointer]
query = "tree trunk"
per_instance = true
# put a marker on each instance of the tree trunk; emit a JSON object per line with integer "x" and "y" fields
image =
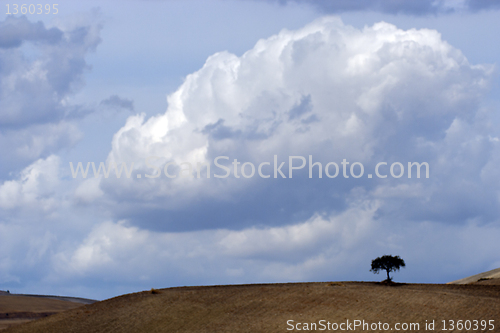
{"x": 388, "y": 278}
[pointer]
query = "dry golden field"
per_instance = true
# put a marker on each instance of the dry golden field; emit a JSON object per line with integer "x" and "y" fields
{"x": 268, "y": 307}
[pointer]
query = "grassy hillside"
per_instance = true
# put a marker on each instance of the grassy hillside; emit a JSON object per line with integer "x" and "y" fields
{"x": 267, "y": 308}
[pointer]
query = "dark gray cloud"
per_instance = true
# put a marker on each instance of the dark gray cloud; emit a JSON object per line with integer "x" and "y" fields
{"x": 116, "y": 101}
{"x": 39, "y": 69}
{"x": 417, "y": 7}
{"x": 14, "y": 31}
{"x": 220, "y": 132}
{"x": 301, "y": 108}
{"x": 411, "y": 7}
{"x": 483, "y": 4}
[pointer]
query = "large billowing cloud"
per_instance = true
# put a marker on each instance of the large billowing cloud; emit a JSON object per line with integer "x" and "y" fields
{"x": 328, "y": 90}
{"x": 39, "y": 70}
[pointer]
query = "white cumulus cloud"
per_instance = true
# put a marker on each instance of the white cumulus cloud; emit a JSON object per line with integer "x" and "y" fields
{"x": 327, "y": 90}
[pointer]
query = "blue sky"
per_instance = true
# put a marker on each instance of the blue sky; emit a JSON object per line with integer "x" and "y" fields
{"x": 187, "y": 81}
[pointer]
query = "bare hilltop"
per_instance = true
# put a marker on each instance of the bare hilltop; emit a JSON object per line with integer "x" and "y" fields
{"x": 285, "y": 307}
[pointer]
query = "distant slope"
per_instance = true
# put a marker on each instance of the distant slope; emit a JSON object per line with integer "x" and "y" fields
{"x": 62, "y": 298}
{"x": 267, "y": 308}
{"x": 490, "y": 277}
{"x": 16, "y": 308}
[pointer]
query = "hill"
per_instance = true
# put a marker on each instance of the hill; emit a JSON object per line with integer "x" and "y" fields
{"x": 489, "y": 278}
{"x": 269, "y": 307}
{"x": 15, "y": 308}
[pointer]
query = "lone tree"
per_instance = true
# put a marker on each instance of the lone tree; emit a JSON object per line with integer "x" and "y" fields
{"x": 388, "y": 263}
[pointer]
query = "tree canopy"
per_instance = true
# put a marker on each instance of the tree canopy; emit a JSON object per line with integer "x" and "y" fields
{"x": 388, "y": 263}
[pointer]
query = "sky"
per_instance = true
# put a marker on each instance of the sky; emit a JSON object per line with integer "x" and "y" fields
{"x": 288, "y": 106}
